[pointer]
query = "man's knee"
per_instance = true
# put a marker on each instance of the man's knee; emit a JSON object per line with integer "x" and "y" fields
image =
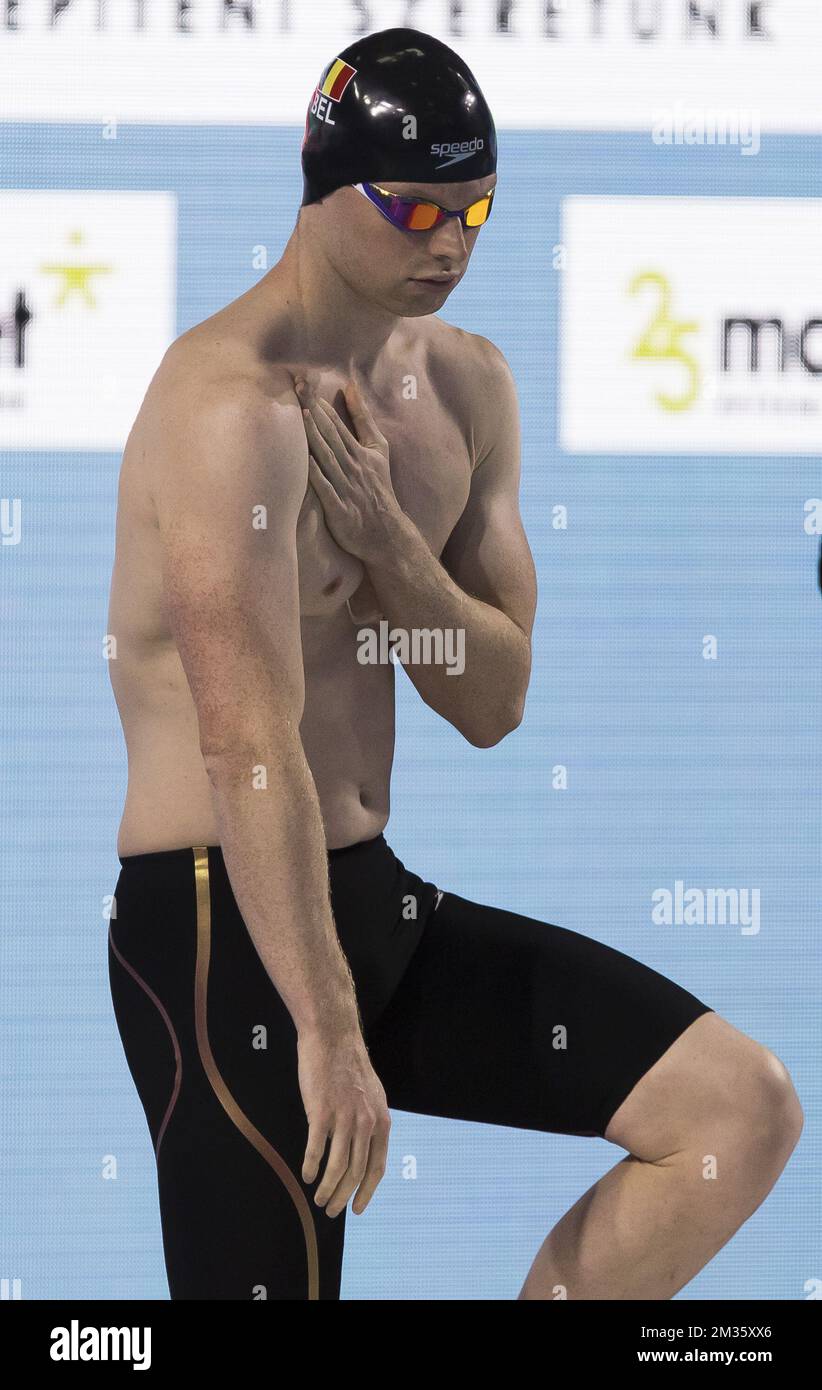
{"x": 713, "y": 1081}
{"x": 750, "y": 1096}
{"x": 769, "y": 1110}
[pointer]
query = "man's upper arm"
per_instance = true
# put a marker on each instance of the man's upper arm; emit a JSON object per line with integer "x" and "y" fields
{"x": 230, "y": 474}
{"x": 487, "y": 553}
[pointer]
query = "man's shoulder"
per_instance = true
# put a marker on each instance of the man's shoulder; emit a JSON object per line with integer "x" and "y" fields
{"x": 205, "y": 384}
{"x": 207, "y": 370}
{"x": 475, "y": 362}
{"x": 209, "y": 411}
{"x": 476, "y": 377}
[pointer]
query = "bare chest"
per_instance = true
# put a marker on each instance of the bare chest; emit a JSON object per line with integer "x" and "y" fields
{"x": 430, "y": 466}
{"x": 430, "y": 463}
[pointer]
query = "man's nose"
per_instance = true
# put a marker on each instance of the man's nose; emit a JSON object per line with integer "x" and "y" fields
{"x": 449, "y": 238}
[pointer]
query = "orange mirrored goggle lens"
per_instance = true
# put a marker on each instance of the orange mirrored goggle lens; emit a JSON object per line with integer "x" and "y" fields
{"x": 479, "y": 212}
{"x": 421, "y": 217}
{"x": 413, "y": 216}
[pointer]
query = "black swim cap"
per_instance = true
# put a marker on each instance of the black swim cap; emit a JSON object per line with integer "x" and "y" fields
{"x": 396, "y": 105}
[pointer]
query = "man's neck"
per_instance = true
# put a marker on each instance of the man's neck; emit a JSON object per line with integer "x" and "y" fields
{"x": 329, "y": 322}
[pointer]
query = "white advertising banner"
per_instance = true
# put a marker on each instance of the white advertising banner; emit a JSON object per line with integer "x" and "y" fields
{"x": 685, "y": 328}
{"x": 88, "y": 302}
{"x": 587, "y": 64}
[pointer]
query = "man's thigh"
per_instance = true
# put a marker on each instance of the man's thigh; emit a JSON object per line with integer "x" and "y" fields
{"x": 212, "y": 1050}
{"x": 508, "y": 1020}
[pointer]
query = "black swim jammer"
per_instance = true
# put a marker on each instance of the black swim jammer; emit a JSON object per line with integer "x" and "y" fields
{"x": 462, "y": 1007}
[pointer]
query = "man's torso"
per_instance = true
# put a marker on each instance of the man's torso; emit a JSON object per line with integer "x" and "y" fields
{"x": 421, "y": 400}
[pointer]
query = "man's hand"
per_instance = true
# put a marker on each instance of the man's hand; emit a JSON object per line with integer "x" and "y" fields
{"x": 344, "y": 1102}
{"x": 350, "y": 474}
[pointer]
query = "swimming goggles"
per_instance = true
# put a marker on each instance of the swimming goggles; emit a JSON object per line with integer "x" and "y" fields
{"x": 415, "y": 215}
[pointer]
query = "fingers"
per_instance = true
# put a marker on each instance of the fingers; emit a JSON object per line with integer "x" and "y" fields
{"x": 357, "y": 1159}
{"x": 368, "y": 431}
{"x": 325, "y": 419}
{"x": 377, "y": 1156}
{"x": 328, "y": 452}
{"x": 323, "y": 488}
{"x": 336, "y": 1166}
{"x": 317, "y": 1135}
{"x": 326, "y": 411}
{"x": 364, "y": 1170}
{"x": 353, "y": 1174}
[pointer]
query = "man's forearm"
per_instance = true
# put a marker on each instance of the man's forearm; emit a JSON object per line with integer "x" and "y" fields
{"x": 485, "y": 700}
{"x": 275, "y": 853}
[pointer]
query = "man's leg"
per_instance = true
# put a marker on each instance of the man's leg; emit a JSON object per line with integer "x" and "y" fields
{"x": 507, "y": 1020}
{"x": 213, "y": 1053}
{"x": 708, "y": 1131}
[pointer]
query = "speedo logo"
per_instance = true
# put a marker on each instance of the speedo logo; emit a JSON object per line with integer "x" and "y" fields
{"x": 457, "y": 150}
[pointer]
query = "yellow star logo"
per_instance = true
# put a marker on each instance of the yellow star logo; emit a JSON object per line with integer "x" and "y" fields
{"x": 76, "y": 275}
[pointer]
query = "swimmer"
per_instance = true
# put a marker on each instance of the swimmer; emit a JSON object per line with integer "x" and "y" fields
{"x": 326, "y": 453}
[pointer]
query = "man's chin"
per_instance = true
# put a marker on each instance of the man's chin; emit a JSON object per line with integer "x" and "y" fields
{"x": 422, "y": 297}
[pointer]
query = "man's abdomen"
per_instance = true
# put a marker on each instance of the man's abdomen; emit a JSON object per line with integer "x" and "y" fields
{"x": 347, "y": 733}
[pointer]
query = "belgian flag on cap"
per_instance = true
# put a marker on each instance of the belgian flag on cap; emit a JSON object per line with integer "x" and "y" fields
{"x": 337, "y": 79}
